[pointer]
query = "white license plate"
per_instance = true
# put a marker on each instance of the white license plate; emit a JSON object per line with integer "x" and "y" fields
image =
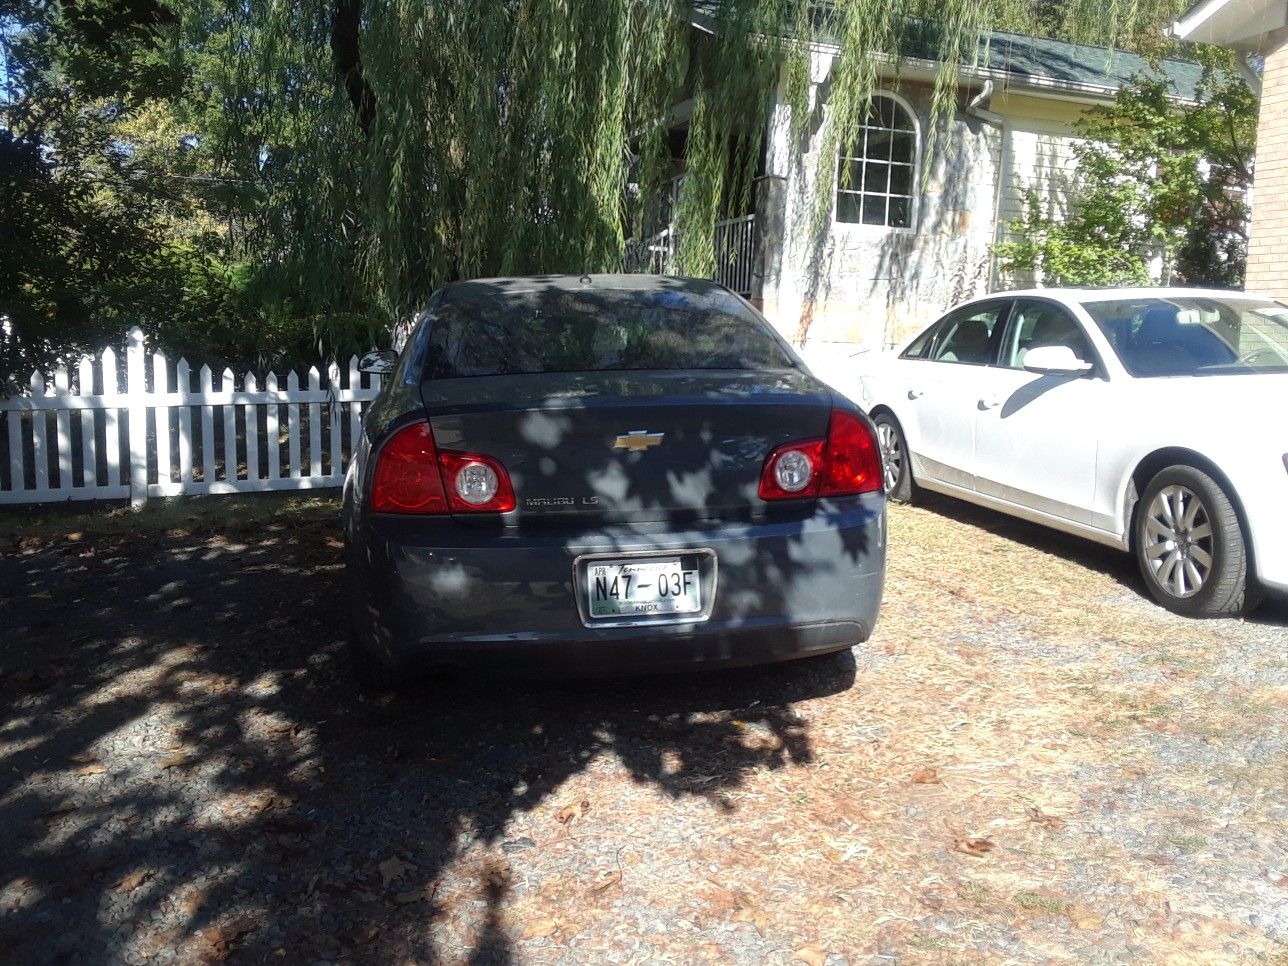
{"x": 642, "y": 588}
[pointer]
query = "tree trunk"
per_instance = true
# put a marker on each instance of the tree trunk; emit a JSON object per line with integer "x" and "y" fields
{"x": 347, "y": 54}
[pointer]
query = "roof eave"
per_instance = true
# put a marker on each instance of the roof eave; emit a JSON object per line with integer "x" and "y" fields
{"x": 1050, "y": 87}
{"x": 1242, "y": 25}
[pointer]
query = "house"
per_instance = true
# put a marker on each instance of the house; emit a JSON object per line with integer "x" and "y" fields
{"x": 904, "y": 240}
{"x": 1258, "y": 30}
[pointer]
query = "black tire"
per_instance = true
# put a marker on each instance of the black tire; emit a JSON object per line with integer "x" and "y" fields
{"x": 372, "y": 674}
{"x": 890, "y": 439}
{"x": 1207, "y": 541}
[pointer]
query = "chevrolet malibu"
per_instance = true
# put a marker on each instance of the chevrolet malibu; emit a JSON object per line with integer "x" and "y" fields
{"x": 606, "y": 474}
{"x": 1146, "y": 419}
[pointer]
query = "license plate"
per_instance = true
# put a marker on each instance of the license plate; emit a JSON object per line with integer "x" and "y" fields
{"x": 642, "y": 588}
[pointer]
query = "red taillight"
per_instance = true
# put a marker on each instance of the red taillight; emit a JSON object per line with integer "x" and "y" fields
{"x": 846, "y": 463}
{"x": 412, "y": 476}
{"x": 407, "y": 477}
{"x": 853, "y": 461}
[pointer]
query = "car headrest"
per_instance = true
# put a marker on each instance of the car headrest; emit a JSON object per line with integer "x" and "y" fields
{"x": 1054, "y": 328}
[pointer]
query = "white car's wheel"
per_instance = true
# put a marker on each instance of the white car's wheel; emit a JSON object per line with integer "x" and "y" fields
{"x": 895, "y": 460}
{"x": 1190, "y": 546}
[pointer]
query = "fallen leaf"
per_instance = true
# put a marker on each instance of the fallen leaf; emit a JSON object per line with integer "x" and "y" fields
{"x": 424, "y": 894}
{"x": 498, "y": 873}
{"x": 1281, "y": 881}
{"x": 191, "y": 902}
{"x": 98, "y": 768}
{"x": 607, "y": 881}
{"x": 1040, "y": 817}
{"x": 75, "y": 537}
{"x": 813, "y": 954}
{"x": 134, "y": 880}
{"x": 540, "y": 929}
{"x": 570, "y": 813}
{"x": 926, "y": 776}
{"x": 747, "y": 911}
{"x": 360, "y": 935}
{"x": 974, "y": 846}
{"x": 931, "y": 901}
{"x": 1155, "y": 859}
{"x": 177, "y": 760}
{"x": 394, "y": 868}
{"x": 334, "y": 544}
{"x": 1084, "y": 918}
{"x": 220, "y": 937}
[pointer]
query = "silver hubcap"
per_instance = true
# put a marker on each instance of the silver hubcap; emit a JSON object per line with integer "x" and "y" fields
{"x": 891, "y": 454}
{"x": 1178, "y": 541}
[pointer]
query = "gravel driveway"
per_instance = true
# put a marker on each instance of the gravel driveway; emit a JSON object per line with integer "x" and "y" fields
{"x": 1029, "y": 762}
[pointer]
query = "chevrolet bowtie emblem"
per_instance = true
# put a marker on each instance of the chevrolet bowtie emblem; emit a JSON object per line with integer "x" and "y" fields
{"x": 638, "y": 440}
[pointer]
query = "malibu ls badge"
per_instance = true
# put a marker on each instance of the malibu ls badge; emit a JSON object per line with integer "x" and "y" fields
{"x": 638, "y": 440}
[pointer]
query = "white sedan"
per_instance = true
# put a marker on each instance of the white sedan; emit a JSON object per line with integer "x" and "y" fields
{"x": 1153, "y": 420}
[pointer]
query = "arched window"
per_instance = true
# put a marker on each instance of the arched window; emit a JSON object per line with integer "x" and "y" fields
{"x": 881, "y": 165}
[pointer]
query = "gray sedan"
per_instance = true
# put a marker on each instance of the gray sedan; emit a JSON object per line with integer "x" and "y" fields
{"x": 606, "y": 474}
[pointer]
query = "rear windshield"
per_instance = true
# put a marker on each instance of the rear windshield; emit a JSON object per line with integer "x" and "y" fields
{"x": 490, "y": 330}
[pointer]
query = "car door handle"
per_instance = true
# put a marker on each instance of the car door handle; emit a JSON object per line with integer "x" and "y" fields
{"x": 915, "y": 394}
{"x": 989, "y": 403}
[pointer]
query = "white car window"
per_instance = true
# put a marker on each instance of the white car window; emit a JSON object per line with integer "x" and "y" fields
{"x": 1035, "y": 324}
{"x": 963, "y": 336}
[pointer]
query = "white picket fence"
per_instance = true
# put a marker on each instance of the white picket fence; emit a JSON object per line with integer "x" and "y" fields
{"x": 92, "y": 435}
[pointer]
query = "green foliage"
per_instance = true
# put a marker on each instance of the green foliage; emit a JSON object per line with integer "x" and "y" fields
{"x": 280, "y": 178}
{"x": 1086, "y": 249}
{"x": 1158, "y": 177}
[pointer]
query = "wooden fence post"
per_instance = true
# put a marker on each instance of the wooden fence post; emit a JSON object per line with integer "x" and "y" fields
{"x": 136, "y": 388}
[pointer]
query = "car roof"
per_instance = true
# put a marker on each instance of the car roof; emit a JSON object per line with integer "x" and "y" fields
{"x": 628, "y": 282}
{"x": 1121, "y": 294}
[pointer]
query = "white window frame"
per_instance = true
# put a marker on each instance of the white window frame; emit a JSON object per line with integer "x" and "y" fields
{"x": 914, "y": 199}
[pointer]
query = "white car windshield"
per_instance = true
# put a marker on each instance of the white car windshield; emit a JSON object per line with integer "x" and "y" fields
{"x": 1194, "y": 335}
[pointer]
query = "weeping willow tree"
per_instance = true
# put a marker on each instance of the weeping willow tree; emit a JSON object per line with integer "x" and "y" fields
{"x": 398, "y": 144}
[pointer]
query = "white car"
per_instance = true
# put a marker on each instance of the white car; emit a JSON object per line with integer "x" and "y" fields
{"x": 1153, "y": 420}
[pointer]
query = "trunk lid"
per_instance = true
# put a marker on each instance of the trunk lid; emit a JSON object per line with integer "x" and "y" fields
{"x": 624, "y": 445}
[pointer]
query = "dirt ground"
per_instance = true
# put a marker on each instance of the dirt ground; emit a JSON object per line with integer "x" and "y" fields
{"x": 1029, "y": 762}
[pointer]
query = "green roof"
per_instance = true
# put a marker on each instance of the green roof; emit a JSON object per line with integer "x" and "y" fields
{"x": 1038, "y": 60}
{"x": 1043, "y": 60}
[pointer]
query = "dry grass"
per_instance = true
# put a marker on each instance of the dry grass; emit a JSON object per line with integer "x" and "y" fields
{"x": 36, "y": 524}
{"x": 1035, "y": 684}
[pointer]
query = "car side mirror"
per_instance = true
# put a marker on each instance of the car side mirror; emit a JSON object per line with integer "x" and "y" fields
{"x": 1055, "y": 360}
{"x": 380, "y": 362}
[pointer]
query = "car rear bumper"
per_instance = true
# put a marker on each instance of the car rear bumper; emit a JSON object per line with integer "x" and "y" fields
{"x": 442, "y": 592}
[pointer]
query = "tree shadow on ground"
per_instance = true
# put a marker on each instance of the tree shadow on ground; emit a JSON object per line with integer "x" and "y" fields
{"x": 186, "y": 765}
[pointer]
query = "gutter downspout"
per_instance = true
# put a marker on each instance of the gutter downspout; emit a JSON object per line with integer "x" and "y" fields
{"x": 975, "y": 109}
